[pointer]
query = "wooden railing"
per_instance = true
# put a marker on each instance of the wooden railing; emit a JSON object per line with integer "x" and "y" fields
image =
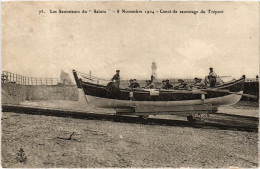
{"x": 8, "y": 77}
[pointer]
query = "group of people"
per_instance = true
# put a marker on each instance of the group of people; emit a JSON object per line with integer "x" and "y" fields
{"x": 210, "y": 81}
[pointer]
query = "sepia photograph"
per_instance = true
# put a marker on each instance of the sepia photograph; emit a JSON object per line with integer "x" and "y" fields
{"x": 129, "y": 84}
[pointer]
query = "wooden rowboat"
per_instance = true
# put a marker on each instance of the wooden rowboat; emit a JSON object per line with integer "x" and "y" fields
{"x": 100, "y": 96}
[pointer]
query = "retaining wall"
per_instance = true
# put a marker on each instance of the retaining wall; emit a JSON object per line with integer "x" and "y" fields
{"x": 15, "y": 93}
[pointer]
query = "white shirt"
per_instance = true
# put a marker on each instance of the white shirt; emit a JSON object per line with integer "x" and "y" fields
{"x": 212, "y": 74}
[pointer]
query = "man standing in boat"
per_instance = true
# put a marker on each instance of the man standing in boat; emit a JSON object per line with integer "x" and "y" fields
{"x": 212, "y": 77}
{"x": 116, "y": 78}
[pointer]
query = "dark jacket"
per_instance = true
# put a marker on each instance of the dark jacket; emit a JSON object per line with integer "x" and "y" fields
{"x": 116, "y": 77}
{"x": 167, "y": 86}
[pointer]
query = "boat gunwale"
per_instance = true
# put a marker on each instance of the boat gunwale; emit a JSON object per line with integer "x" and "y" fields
{"x": 162, "y": 91}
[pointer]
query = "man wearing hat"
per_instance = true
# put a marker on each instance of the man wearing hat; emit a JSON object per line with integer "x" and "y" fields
{"x": 182, "y": 85}
{"x": 198, "y": 83}
{"x": 149, "y": 85}
{"x": 212, "y": 77}
{"x": 135, "y": 84}
{"x": 116, "y": 78}
{"x": 195, "y": 82}
{"x": 167, "y": 84}
{"x": 131, "y": 83}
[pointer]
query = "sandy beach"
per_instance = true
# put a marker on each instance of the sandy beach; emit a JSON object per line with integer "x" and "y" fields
{"x": 45, "y": 141}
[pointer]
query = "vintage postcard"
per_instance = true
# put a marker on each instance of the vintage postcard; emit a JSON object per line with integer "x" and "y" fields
{"x": 115, "y": 84}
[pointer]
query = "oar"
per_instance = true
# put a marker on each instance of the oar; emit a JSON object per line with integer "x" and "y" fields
{"x": 227, "y": 91}
{"x": 246, "y": 95}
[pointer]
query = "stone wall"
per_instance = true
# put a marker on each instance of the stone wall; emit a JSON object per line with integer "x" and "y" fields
{"x": 15, "y": 93}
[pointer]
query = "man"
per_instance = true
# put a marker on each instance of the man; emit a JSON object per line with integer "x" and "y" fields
{"x": 195, "y": 82}
{"x": 116, "y": 78}
{"x": 152, "y": 78}
{"x": 182, "y": 85}
{"x": 166, "y": 84}
{"x": 199, "y": 83}
{"x": 131, "y": 83}
{"x": 149, "y": 85}
{"x": 212, "y": 77}
{"x": 135, "y": 84}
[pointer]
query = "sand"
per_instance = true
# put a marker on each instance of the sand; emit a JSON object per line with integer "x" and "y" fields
{"x": 114, "y": 144}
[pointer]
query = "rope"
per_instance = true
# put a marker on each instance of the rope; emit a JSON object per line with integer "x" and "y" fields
{"x": 87, "y": 76}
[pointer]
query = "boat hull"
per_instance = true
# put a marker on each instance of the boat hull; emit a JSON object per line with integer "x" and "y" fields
{"x": 113, "y": 104}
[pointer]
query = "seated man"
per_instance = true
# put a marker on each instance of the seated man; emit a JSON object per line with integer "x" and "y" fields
{"x": 135, "y": 84}
{"x": 199, "y": 83}
{"x": 166, "y": 84}
{"x": 195, "y": 81}
{"x": 131, "y": 83}
{"x": 182, "y": 86}
{"x": 219, "y": 82}
{"x": 149, "y": 85}
{"x": 163, "y": 83}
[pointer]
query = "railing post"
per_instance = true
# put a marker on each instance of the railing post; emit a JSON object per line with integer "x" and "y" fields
{"x": 7, "y": 76}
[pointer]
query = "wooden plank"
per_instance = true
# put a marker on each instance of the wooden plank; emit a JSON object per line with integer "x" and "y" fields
{"x": 183, "y": 113}
{"x": 176, "y": 110}
{"x": 202, "y": 107}
{"x": 129, "y": 110}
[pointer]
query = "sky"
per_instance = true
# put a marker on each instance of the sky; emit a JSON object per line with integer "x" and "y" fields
{"x": 182, "y": 45}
